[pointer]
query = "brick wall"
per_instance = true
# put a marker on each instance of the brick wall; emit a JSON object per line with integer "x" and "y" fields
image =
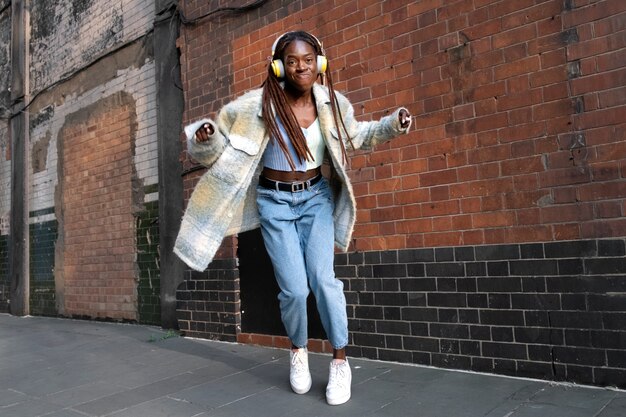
{"x": 511, "y": 185}
{"x": 98, "y": 195}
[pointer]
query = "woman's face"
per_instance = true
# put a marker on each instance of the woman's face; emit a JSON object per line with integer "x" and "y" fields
{"x": 300, "y": 62}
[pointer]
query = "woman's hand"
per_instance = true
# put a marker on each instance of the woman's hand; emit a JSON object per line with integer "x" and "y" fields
{"x": 405, "y": 118}
{"x": 203, "y": 133}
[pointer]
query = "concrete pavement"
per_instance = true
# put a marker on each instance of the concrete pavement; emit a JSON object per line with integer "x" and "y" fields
{"x": 67, "y": 368}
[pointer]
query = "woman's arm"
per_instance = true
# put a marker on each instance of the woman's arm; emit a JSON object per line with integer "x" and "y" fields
{"x": 366, "y": 135}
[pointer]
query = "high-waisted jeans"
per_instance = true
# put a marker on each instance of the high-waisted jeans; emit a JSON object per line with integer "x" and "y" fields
{"x": 298, "y": 232}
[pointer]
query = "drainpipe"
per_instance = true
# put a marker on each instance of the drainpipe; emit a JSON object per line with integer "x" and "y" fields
{"x": 169, "y": 125}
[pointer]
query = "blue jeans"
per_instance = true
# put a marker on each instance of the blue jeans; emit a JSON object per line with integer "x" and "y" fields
{"x": 298, "y": 232}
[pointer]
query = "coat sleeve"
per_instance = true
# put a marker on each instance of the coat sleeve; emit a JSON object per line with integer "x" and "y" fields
{"x": 208, "y": 152}
{"x": 365, "y": 135}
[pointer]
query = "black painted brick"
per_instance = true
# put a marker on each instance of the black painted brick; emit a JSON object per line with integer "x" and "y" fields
{"x": 395, "y": 355}
{"x": 392, "y": 313}
{"x": 369, "y": 339}
{"x": 448, "y": 315}
{"x": 475, "y": 269}
{"x": 389, "y": 257}
{"x": 611, "y": 247}
{"x": 600, "y": 266}
{"x": 609, "y": 377}
{"x": 504, "y": 350}
{"x": 451, "y": 361}
{"x": 392, "y": 270}
{"x": 447, "y": 300}
{"x": 445, "y": 269}
{"x": 391, "y": 299}
{"x": 495, "y": 252}
{"x": 606, "y": 302}
{"x": 535, "y": 301}
{"x": 421, "y": 344}
{"x": 480, "y": 332}
{"x": 393, "y": 327}
{"x": 502, "y": 284}
{"x": 572, "y": 249}
{"x": 418, "y": 284}
{"x": 409, "y": 256}
{"x": 535, "y": 267}
{"x": 464, "y": 253}
{"x": 419, "y": 314}
{"x": 450, "y": 331}
{"x": 502, "y": 317}
{"x": 415, "y": 270}
{"x": 533, "y": 284}
{"x": 466, "y": 284}
{"x": 444, "y": 254}
{"x": 446, "y": 284}
{"x": 371, "y": 257}
{"x": 498, "y": 269}
{"x": 393, "y": 342}
{"x": 532, "y": 251}
{"x": 614, "y": 321}
{"x": 499, "y": 301}
{"x": 579, "y": 338}
{"x": 576, "y": 320}
{"x": 501, "y": 334}
{"x": 471, "y": 348}
{"x": 417, "y": 299}
{"x": 369, "y": 312}
{"x": 534, "y": 370}
{"x": 580, "y": 356}
{"x": 477, "y": 300}
{"x": 468, "y": 315}
{"x": 541, "y": 353}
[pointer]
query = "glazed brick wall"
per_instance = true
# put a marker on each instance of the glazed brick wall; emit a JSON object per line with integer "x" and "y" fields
{"x": 148, "y": 262}
{"x": 542, "y": 310}
{"x": 98, "y": 194}
{"x": 5, "y": 284}
{"x": 43, "y": 235}
{"x": 208, "y": 304}
{"x": 517, "y": 150}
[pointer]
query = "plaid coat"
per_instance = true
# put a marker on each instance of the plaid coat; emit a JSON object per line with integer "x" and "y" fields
{"x": 224, "y": 200}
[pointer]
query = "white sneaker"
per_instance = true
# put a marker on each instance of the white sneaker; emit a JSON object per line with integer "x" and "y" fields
{"x": 299, "y": 375}
{"x": 339, "y": 381}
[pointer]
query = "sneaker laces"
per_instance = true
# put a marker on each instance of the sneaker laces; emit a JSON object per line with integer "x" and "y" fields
{"x": 299, "y": 362}
{"x": 337, "y": 375}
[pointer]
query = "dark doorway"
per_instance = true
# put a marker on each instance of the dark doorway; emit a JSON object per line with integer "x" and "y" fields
{"x": 260, "y": 312}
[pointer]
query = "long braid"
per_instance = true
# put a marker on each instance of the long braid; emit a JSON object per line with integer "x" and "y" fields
{"x": 275, "y": 106}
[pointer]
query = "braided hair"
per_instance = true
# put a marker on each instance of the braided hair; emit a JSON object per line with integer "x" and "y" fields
{"x": 274, "y": 104}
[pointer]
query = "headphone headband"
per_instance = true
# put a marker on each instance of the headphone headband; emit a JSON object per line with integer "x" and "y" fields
{"x": 291, "y": 31}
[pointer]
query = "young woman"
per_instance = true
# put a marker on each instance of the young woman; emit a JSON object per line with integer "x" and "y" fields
{"x": 264, "y": 156}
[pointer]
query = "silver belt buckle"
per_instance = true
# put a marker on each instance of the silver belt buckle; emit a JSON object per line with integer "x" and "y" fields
{"x": 297, "y": 187}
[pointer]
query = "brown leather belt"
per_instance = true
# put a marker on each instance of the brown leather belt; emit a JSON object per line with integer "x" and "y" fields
{"x": 290, "y": 176}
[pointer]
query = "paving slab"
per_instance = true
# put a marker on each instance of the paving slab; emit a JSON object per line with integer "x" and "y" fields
{"x": 56, "y": 367}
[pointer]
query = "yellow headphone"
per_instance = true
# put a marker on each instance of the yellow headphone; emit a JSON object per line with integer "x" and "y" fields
{"x": 278, "y": 68}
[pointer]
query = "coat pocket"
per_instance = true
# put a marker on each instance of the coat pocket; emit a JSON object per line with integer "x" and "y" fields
{"x": 244, "y": 144}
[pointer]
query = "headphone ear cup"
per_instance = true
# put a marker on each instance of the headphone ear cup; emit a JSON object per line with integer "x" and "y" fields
{"x": 278, "y": 68}
{"x": 322, "y": 64}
